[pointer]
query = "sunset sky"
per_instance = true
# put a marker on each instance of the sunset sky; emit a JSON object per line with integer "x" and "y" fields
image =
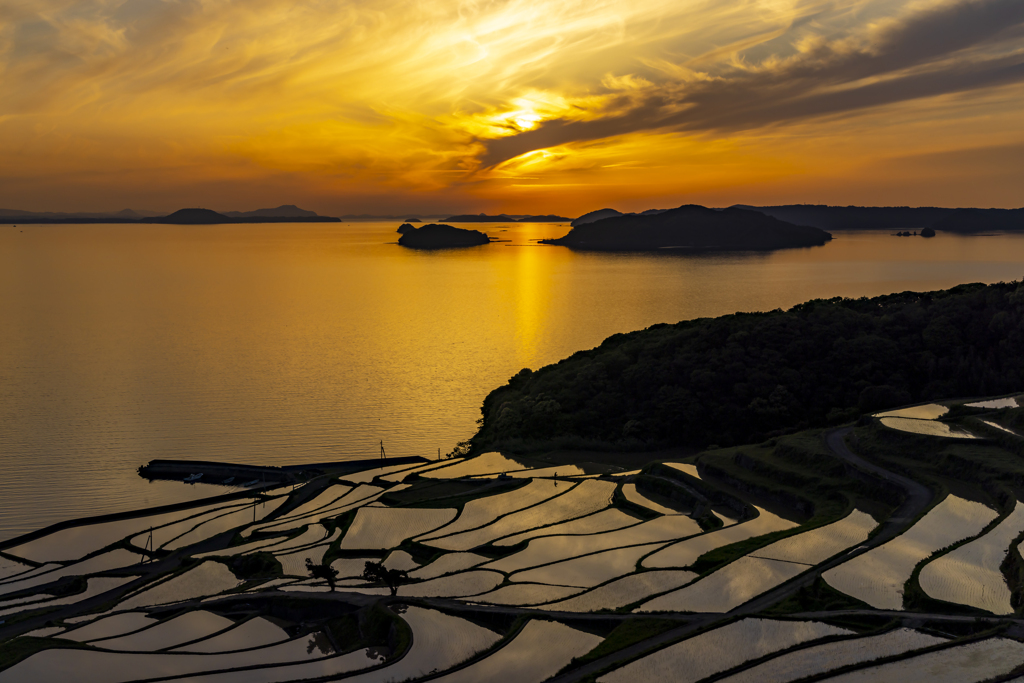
{"x": 545, "y": 106}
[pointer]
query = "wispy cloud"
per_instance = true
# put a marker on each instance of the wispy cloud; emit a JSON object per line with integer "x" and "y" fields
{"x": 353, "y": 98}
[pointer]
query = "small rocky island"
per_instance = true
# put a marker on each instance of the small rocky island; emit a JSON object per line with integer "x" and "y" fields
{"x": 691, "y": 228}
{"x": 439, "y": 236}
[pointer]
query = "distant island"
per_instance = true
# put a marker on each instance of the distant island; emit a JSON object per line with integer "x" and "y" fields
{"x": 288, "y": 213}
{"x": 690, "y": 227}
{"x": 435, "y": 236}
{"x": 505, "y": 218}
{"x": 964, "y": 221}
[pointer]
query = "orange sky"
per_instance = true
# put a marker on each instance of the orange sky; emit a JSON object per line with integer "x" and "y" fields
{"x": 545, "y": 106}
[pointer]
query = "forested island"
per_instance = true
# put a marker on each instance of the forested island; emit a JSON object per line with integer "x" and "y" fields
{"x": 692, "y": 228}
{"x": 741, "y": 378}
{"x": 439, "y": 236}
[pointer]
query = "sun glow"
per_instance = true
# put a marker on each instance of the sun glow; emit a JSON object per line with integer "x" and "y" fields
{"x": 345, "y": 104}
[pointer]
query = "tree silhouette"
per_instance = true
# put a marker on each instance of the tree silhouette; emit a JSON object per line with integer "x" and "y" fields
{"x": 376, "y": 572}
{"x": 322, "y": 571}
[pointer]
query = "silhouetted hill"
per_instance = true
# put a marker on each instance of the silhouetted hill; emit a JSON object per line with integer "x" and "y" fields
{"x": 981, "y": 220}
{"x": 480, "y": 218}
{"x": 598, "y": 215}
{"x": 405, "y": 227}
{"x": 895, "y": 217}
{"x": 434, "y": 236}
{"x": 283, "y": 211}
{"x": 741, "y": 378}
{"x": 691, "y": 227}
{"x": 193, "y": 217}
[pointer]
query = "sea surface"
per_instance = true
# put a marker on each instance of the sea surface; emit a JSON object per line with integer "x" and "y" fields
{"x": 294, "y": 343}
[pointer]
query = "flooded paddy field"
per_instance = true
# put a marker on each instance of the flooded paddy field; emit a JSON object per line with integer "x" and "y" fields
{"x": 399, "y": 573}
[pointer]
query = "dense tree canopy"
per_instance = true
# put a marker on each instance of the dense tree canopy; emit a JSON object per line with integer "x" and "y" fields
{"x": 743, "y": 377}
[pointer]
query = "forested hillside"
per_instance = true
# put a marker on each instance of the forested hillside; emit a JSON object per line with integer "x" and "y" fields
{"x": 741, "y": 378}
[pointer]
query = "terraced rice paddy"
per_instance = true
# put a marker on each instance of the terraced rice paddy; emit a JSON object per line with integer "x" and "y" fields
{"x": 487, "y": 463}
{"x": 94, "y": 666}
{"x": 366, "y": 476}
{"x": 970, "y": 574}
{"x": 720, "y": 650}
{"x": 399, "y": 559}
{"x": 223, "y": 523}
{"x": 997, "y": 403}
{"x": 466, "y": 584}
{"x": 294, "y": 563}
{"x": 447, "y": 564}
{"x": 538, "y": 652}
{"x": 970, "y": 663}
{"x": 544, "y": 547}
{"x": 927, "y": 427}
{"x": 558, "y": 471}
{"x": 928, "y": 411}
{"x": 685, "y": 553}
{"x": 589, "y": 570}
{"x": 439, "y": 642}
{"x": 256, "y": 632}
{"x": 363, "y": 495}
{"x": 76, "y": 542}
{"x": 329, "y": 497}
{"x": 526, "y": 594}
{"x": 820, "y": 659}
{"x": 209, "y": 578}
{"x": 400, "y": 475}
{"x": 726, "y": 588}
{"x": 114, "y": 559}
{"x": 817, "y": 545}
{"x": 583, "y": 499}
{"x": 605, "y": 520}
{"x": 684, "y": 467}
{"x": 557, "y": 548}
{"x": 161, "y": 536}
{"x": 11, "y": 568}
{"x": 382, "y": 528}
{"x": 363, "y": 658}
{"x": 999, "y": 427}
{"x": 482, "y": 511}
{"x": 186, "y": 628}
{"x": 624, "y": 591}
{"x": 877, "y": 576}
{"x": 637, "y": 498}
{"x": 109, "y": 627}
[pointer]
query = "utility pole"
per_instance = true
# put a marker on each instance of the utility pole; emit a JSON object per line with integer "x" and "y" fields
{"x": 383, "y": 455}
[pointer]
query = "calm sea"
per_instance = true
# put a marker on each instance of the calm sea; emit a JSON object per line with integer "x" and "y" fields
{"x": 292, "y": 343}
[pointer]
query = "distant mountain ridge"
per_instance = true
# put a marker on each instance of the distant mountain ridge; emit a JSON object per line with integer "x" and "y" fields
{"x": 505, "y": 218}
{"x": 287, "y": 213}
{"x": 967, "y": 220}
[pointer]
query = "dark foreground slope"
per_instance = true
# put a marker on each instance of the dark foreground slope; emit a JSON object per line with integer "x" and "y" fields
{"x": 742, "y": 377}
{"x": 693, "y": 228}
